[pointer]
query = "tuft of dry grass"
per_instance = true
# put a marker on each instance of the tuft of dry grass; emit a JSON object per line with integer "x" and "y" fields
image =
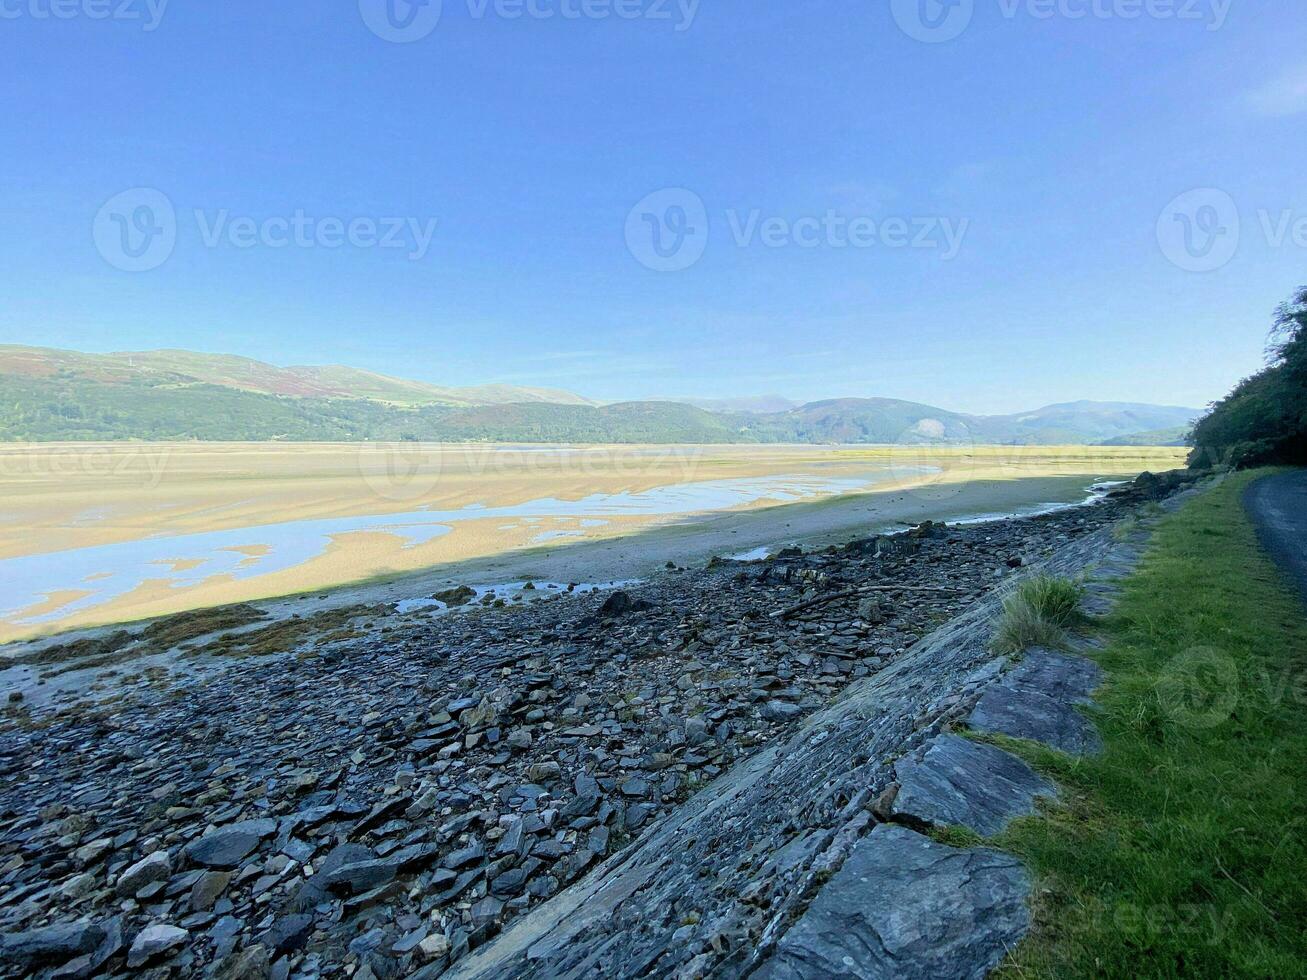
{"x": 1037, "y": 614}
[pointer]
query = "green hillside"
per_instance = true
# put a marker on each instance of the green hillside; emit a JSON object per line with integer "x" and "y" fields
{"x": 150, "y": 368}
{"x": 1179, "y": 435}
{"x": 659, "y": 422}
{"x": 853, "y": 420}
{"x": 59, "y": 410}
{"x": 49, "y": 396}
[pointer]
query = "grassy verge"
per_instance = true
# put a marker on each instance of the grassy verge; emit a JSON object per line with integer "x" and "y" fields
{"x": 1182, "y": 850}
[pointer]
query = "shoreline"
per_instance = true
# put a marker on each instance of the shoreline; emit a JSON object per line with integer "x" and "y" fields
{"x": 373, "y": 559}
{"x": 647, "y": 552}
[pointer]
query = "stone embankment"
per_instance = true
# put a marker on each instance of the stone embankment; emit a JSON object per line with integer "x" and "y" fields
{"x": 814, "y": 859}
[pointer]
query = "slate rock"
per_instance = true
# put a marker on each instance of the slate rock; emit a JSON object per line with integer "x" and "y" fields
{"x": 780, "y": 711}
{"x": 151, "y": 868}
{"x": 960, "y": 782}
{"x": 907, "y": 908}
{"x": 155, "y": 941}
{"x": 89, "y": 964}
{"x": 1022, "y": 712}
{"x": 362, "y": 876}
{"x": 251, "y": 963}
{"x": 208, "y": 888}
{"x": 288, "y": 934}
{"x": 1060, "y": 676}
{"x": 468, "y": 855}
{"x": 51, "y": 944}
{"x": 227, "y": 846}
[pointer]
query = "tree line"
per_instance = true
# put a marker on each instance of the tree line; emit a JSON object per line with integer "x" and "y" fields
{"x": 1264, "y": 420}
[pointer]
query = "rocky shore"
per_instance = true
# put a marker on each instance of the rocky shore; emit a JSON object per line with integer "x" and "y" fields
{"x": 398, "y": 789}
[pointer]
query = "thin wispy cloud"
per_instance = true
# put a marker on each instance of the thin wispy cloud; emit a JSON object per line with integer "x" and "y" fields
{"x": 862, "y": 197}
{"x": 966, "y": 179}
{"x": 1283, "y": 96}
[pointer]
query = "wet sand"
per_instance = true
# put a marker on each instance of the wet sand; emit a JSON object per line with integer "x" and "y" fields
{"x": 59, "y": 498}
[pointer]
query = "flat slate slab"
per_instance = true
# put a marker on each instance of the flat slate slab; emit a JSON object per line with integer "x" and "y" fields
{"x": 905, "y": 907}
{"x": 1059, "y": 675}
{"x": 1021, "y": 711}
{"x": 963, "y": 783}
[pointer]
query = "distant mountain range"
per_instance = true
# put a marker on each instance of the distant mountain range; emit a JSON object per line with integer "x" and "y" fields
{"x": 55, "y": 395}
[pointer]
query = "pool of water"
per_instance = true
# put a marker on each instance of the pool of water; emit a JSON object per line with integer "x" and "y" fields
{"x": 83, "y": 578}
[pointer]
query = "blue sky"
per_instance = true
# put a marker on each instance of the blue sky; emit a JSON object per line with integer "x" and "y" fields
{"x": 1051, "y": 147}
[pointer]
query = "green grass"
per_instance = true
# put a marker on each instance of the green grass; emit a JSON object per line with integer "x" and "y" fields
{"x": 1125, "y": 528}
{"x": 1037, "y": 614}
{"x": 1182, "y": 850}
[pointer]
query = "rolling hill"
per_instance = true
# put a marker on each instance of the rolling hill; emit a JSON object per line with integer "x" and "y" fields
{"x": 49, "y": 395}
{"x": 246, "y": 374}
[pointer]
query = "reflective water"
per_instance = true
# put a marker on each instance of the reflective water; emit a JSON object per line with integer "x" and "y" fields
{"x": 87, "y": 577}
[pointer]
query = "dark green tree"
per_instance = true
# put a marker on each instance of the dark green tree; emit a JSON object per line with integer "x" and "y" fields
{"x": 1264, "y": 420}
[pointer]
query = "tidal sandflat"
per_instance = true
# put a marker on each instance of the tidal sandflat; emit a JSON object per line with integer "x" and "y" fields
{"x": 113, "y": 532}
